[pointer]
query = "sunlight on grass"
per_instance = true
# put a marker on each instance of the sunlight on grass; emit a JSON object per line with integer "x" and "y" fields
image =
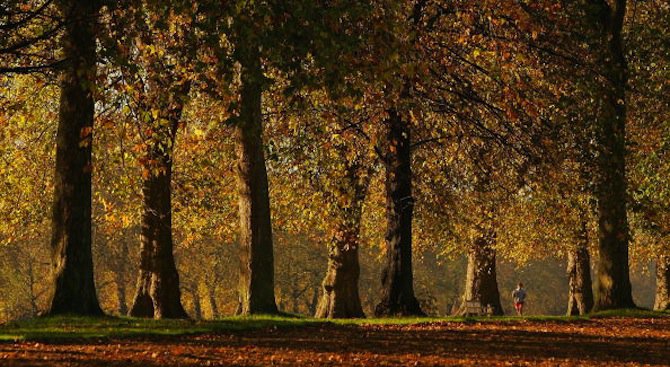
{"x": 71, "y": 327}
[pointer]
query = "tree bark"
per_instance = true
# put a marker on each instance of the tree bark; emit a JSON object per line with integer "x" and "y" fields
{"x": 481, "y": 282}
{"x": 580, "y": 295}
{"x": 72, "y": 260}
{"x": 662, "y": 302}
{"x": 340, "y": 297}
{"x": 613, "y": 287}
{"x": 398, "y": 297}
{"x": 158, "y": 294}
{"x": 256, "y": 289}
{"x": 213, "y": 307}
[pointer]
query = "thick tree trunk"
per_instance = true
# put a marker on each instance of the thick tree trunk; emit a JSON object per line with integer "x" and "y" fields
{"x": 158, "y": 294}
{"x": 481, "y": 282}
{"x": 580, "y": 295}
{"x": 256, "y": 289}
{"x": 142, "y": 305}
{"x": 613, "y": 288}
{"x": 72, "y": 260}
{"x": 340, "y": 298}
{"x": 662, "y": 302}
{"x": 398, "y": 297}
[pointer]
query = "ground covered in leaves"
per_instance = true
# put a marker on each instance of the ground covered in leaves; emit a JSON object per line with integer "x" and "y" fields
{"x": 535, "y": 342}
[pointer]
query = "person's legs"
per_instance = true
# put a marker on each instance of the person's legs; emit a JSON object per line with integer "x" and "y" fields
{"x": 520, "y": 308}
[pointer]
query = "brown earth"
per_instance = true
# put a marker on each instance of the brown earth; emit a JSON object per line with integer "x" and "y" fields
{"x": 599, "y": 342}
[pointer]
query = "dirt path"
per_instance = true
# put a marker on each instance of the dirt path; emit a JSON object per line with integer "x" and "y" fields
{"x": 607, "y": 342}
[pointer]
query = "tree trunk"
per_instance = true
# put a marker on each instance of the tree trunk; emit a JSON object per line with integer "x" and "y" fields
{"x": 314, "y": 301}
{"x": 142, "y": 305}
{"x": 340, "y": 298}
{"x": 662, "y": 302}
{"x": 72, "y": 260}
{"x": 398, "y": 297}
{"x": 34, "y": 310}
{"x": 613, "y": 288}
{"x": 211, "y": 293}
{"x": 197, "y": 305}
{"x": 121, "y": 296}
{"x": 481, "y": 282}
{"x": 158, "y": 294}
{"x": 256, "y": 289}
{"x": 121, "y": 276}
{"x": 580, "y": 295}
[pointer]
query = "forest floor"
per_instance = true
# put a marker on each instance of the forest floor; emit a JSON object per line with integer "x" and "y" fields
{"x": 637, "y": 340}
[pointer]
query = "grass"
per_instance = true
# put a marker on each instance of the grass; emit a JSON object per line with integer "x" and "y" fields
{"x": 72, "y": 327}
{"x": 75, "y": 327}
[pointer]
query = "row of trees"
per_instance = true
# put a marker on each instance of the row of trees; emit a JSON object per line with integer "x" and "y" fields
{"x": 483, "y": 115}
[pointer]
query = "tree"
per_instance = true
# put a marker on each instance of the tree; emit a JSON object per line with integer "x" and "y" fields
{"x": 662, "y": 301}
{"x": 481, "y": 283}
{"x": 397, "y": 277}
{"x": 346, "y": 194}
{"x": 580, "y": 294}
{"x": 257, "y": 259}
{"x": 29, "y": 30}
{"x": 289, "y": 37}
{"x": 613, "y": 288}
{"x": 647, "y": 37}
{"x": 72, "y": 260}
{"x": 158, "y": 95}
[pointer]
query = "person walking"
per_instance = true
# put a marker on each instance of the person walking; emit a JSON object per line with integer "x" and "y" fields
{"x": 519, "y": 297}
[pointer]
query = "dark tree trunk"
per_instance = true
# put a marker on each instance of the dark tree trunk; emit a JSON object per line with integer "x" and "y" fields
{"x": 142, "y": 305}
{"x": 662, "y": 302}
{"x": 72, "y": 260}
{"x": 256, "y": 289}
{"x": 398, "y": 297}
{"x": 580, "y": 295}
{"x": 340, "y": 298}
{"x": 613, "y": 288}
{"x": 481, "y": 282}
{"x": 158, "y": 294}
